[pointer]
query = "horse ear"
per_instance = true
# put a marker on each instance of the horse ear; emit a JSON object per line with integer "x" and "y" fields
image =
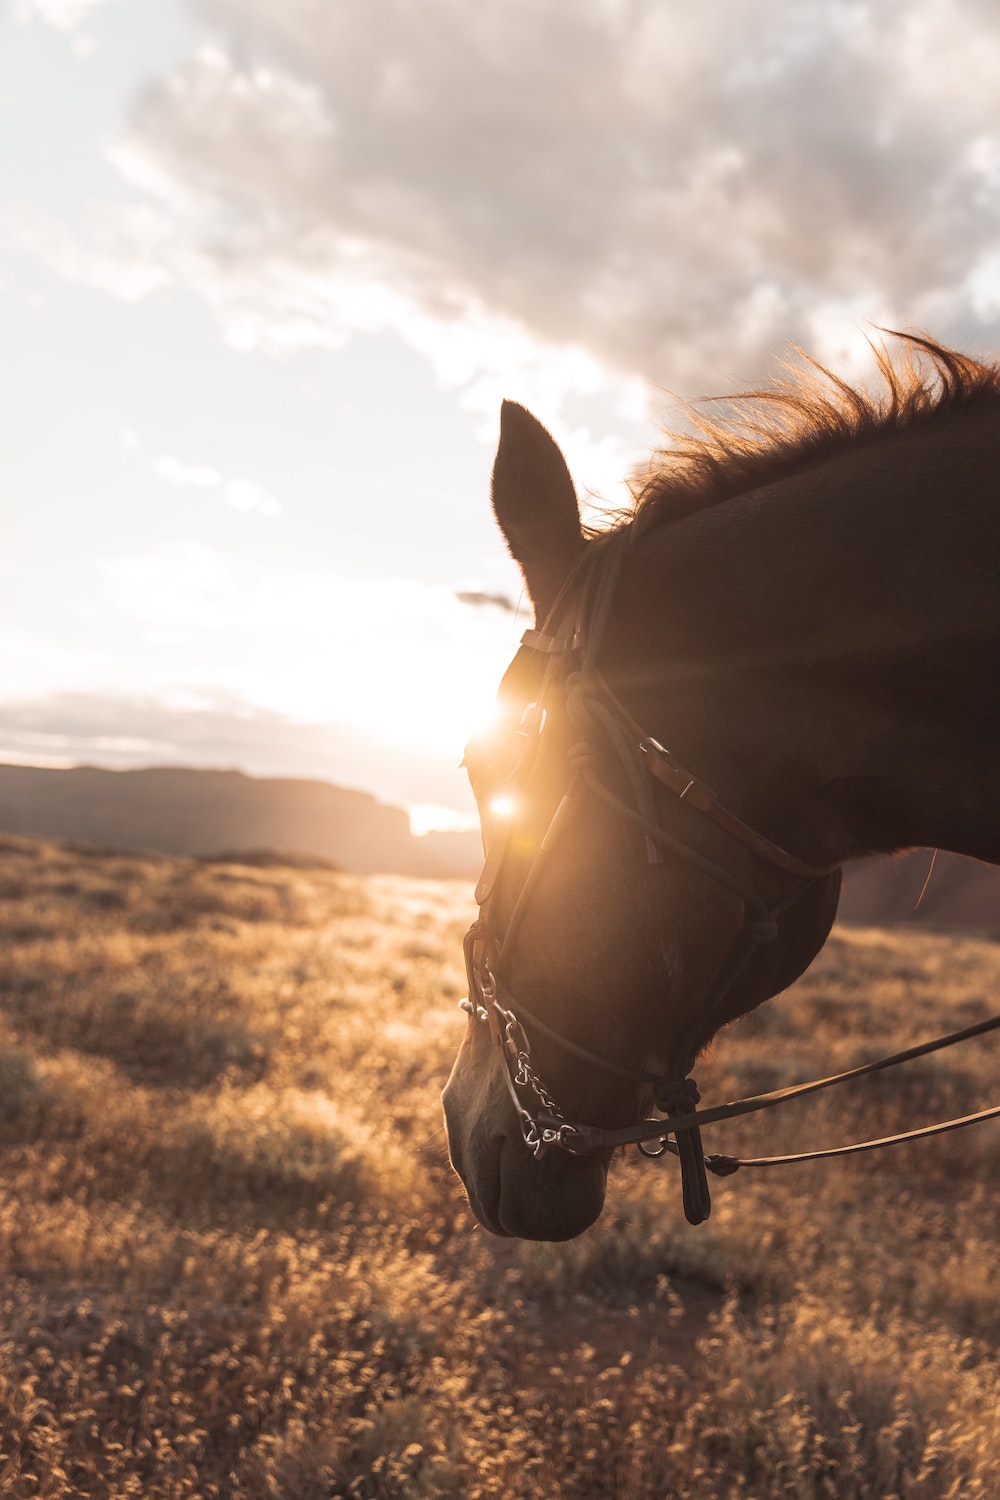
{"x": 535, "y": 504}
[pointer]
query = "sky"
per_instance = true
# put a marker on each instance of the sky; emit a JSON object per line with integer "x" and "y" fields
{"x": 268, "y": 267}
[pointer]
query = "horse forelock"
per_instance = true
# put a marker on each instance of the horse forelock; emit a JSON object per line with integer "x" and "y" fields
{"x": 734, "y": 444}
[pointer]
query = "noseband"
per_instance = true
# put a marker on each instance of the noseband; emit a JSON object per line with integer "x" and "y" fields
{"x": 602, "y": 725}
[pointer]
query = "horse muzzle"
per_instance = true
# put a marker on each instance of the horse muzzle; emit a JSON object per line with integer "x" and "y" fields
{"x": 555, "y": 1197}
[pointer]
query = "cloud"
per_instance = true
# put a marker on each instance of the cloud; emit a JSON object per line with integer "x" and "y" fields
{"x": 243, "y": 494}
{"x": 194, "y": 476}
{"x": 398, "y": 661}
{"x": 239, "y": 494}
{"x": 126, "y": 250}
{"x": 64, "y": 15}
{"x": 567, "y": 201}
{"x": 480, "y": 600}
{"x": 211, "y": 728}
{"x": 622, "y": 186}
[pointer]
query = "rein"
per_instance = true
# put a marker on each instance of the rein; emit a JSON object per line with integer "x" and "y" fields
{"x": 581, "y": 612}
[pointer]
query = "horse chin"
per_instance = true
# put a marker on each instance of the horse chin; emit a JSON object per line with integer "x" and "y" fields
{"x": 513, "y": 1195}
{"x": 553, "y": 1199}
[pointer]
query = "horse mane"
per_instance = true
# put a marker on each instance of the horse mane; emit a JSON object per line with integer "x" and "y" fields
{"x": 809, "y": 415}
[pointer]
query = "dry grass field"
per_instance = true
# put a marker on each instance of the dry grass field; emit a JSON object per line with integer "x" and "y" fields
{"x": 235, "y": 1261}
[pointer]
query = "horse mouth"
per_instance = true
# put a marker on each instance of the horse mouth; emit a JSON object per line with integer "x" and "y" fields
{"x": 552, "y": 1199}
{"x": 511, "y": 1192}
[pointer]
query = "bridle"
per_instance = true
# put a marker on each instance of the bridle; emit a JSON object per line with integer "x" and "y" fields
{"x": 569, "y": 643}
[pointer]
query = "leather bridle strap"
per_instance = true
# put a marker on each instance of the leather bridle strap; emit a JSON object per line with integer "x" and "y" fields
{"x": 593, "y": 1138}
{"x": 687, "y": 788}
{"x": 583, "y": 704}
{"x": 592, "y": 706}
{"x": 725, "y": 1166}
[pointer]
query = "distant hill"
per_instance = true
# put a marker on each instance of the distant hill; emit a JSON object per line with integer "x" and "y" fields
{"x": 183, "y": 811}
{"x": 194, "y": 812}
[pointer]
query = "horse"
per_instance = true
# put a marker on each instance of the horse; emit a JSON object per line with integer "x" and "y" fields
{"x": 782, "y": 656}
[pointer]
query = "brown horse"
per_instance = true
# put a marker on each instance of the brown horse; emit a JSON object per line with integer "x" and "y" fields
{"x": 803, "y": 610}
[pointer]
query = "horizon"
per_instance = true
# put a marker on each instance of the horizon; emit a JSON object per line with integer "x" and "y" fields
{"x": 267, "y": 270}
{"x": 423, "y": 820}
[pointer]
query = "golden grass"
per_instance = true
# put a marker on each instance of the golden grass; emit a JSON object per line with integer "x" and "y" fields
{"x": 235, "y": 1261}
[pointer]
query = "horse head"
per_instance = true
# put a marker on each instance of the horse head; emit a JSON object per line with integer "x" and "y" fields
{"x": 622, "y": 921}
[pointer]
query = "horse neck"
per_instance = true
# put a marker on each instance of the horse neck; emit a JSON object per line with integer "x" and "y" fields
{"x": 827, "y": 648}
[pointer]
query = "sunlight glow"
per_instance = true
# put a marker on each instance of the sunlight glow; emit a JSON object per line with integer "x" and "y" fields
{"x": 430, "y": 817}
{"x": 503, "y": 805}
{"x": 420, "y": 674}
